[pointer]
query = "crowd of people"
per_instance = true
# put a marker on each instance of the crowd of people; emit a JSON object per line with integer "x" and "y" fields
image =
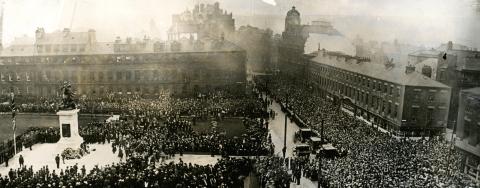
{"x": 174, "y": 136}
{"x": 217, "y": 104}
{"x": 273, "y": 171}
{"x": 151, "y": 130}
{"x": 32, "y": 136}
{"x": 373, "y": 157}
{"x": 226, "y": 173}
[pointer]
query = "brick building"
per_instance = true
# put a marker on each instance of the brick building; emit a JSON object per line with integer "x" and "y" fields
{"x": 398, "y": 99}
{"x": 468, "y": 131}
{"x": 455, "y": 65}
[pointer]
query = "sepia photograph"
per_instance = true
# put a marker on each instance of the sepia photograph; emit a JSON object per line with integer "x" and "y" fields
{"x": 239, "y": 94}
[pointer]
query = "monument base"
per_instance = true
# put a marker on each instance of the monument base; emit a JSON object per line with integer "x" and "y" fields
{"x": 72, "y": 142}
{"x": 69, "y": 135}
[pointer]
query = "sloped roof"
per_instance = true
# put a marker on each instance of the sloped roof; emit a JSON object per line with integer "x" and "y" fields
{"x": 433, "y": 53}
{"x": 108, "y": 48}
{"x": 378, "y": 71}
{"x": 62, "y": 37}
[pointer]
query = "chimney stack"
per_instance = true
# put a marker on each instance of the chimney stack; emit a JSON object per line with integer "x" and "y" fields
{"x": 427, "y": 71}
{"x": 409, "y": 69}
{"x": 39, "y": 33}
{"x": 450, "y": 45}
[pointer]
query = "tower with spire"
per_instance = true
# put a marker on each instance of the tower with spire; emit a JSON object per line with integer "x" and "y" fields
{"x": 292, "y": 44}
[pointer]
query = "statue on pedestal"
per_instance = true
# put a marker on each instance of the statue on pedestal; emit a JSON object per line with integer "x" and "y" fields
{"x": 68, "y": 120}
{"x": 67, "y": 100}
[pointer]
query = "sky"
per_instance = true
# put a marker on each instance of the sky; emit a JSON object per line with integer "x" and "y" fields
{"x": 427, "y": 22}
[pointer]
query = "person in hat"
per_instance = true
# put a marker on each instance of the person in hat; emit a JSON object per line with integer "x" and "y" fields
{"x": 21, "y": 160}
{"x": 57, "y": 160}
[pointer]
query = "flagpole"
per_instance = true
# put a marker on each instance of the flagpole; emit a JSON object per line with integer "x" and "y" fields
{"x": 14, "y": 137}
{"x": 13, "y": 122}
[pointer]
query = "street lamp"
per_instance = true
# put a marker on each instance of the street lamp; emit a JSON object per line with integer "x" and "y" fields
{"x": 320, "y": 154}
{"x": 284, "y": 150}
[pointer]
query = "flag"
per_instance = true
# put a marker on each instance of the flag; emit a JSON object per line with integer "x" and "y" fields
{"x": 14, "y": 109}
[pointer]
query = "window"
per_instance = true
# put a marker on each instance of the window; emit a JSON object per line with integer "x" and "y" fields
{"x": 137, "y": 75}
{"x": 416, "y": 96}
{"x": 47, "y": 75}
{"x": 73, "y": 48}
{"x": 100, "y": 76}
{"x": 65, "y": 48}
{"x": 431, "y": 96}
{"x": 48, "y": 48}
{"x": 82, "y": 47}
{"x": 119, "y": 75}
{"x": 442, "y": 75}
{"x": 395, "y": 111}
{"x": 40, "y": 48}
{"x": 92, "y": 76}
{"x": 414, "y": 114}
{"x": 110, "y": 75}
{"x": 56, "y": 48}
{"x": 128, "y": 75}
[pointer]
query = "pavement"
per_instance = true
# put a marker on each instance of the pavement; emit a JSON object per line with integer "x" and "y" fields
{"x": 277, "y": 130}
{"x": 44, "y": 155}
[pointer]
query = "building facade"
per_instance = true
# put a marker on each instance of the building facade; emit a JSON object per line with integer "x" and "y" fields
{"x": 455, "y": 65}
{"x": 399, "y": 100}
{"x": 468, "y": 131}
{"x": 205, "y": 20}
{"x": 146, "y": 68}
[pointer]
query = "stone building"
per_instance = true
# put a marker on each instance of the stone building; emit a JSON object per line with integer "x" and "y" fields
{"x": 205, "y": 20}
{"x": 291, "y": 46}
{"x": 144, "y": 67}
{"x": 468, "y": 131}
{"x": 398, "y": 99}
{"x": 64, "y": 42}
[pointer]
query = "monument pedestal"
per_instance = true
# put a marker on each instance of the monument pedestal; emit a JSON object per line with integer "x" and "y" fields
{"x": 69, "y": 135}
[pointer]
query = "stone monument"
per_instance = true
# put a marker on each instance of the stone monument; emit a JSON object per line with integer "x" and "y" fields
{"x": 68, "y": 120}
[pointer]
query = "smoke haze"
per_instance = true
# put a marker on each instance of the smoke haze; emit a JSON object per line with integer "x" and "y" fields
{"x": 428, "y": 22}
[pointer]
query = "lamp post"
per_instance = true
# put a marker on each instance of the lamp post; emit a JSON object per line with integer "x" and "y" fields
{"x": 14, "y": 126}
{"x": 284, "y": 150}
{"x": 320, "y": 155}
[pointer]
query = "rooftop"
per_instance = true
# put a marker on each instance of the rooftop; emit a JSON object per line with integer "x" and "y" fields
{"x": 105, "y": 48}
{"x": 363, "y": 66}
{"x": 63, "y": 37}
{"x": 433, "y": 53}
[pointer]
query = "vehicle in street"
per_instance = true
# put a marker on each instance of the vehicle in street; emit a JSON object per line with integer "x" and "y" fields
{"x": 304, "y": 135}
{"x": 302, "y": 150}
